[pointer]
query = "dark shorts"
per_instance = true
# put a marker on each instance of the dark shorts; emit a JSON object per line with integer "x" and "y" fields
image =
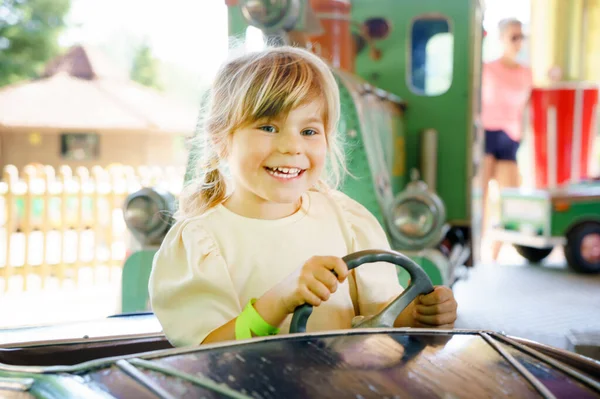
{"x": 499, "y": 145}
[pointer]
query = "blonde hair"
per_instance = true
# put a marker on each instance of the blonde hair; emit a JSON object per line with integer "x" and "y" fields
{"x": 250, "y": 87}
{"x": 504, "y": 24}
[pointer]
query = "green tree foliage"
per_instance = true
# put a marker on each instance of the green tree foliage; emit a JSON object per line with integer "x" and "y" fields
{"x": 145, "y": 68}
{"x": 29, "y": 32}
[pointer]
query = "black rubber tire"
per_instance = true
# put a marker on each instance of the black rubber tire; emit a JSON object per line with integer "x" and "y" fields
{"x": 533, "y": 255}
{"x": 573, "y": 247}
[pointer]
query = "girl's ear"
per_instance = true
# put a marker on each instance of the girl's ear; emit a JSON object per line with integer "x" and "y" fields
{"x": 220, "y": 146}
{"x": 224, "y": 146}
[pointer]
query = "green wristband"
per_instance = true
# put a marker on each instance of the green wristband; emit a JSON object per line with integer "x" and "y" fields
{"x": 250, "y": 321}
{"x": 242, "y": 330}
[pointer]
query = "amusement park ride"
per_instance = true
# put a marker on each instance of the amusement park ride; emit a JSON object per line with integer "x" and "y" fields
{"x": 409, "y": 86}
{"x": 408, "y": 75}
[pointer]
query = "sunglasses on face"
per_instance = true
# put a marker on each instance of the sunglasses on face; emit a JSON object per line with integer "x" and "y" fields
{"x": 516, "y": 38}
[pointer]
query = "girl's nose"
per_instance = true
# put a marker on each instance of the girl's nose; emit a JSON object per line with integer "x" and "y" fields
{"x": 289, "y": 143}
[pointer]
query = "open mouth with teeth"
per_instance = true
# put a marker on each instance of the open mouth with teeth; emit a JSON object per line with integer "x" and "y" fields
{"x": 284, "y": 172}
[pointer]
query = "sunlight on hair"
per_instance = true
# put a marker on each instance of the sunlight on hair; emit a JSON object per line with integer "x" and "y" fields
{"x": 255, "y": 40}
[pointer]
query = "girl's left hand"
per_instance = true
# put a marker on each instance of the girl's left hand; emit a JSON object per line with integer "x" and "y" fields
{"x": 437, "y": 309}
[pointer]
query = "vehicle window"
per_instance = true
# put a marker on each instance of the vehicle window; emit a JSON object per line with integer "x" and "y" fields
{"x": 431, "y": 56}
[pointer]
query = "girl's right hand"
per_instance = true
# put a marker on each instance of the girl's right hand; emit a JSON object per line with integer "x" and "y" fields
{"x": 313, "y": 283}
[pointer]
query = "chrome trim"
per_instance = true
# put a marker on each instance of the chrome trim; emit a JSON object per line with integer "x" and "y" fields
{"x": 16, "y": 384}
{"x": 108, "y": 361}
{"x": 142, "y": 379}
{"x": 203, "y": 382}
{"x": 555, "y": 363}
{"x": 79, "y": 341}
{"x": 541, "y": 388}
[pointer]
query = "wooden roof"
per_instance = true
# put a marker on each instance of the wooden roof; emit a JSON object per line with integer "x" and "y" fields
{"x": 83, "y": 90}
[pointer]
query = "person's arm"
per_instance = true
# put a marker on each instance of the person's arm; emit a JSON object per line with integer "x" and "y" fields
{"x": 311, "y": 283}
{"x": 267, "y": 306}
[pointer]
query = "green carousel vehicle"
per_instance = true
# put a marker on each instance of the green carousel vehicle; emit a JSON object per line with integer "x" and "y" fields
{"x": 408, "y": 75}
{"x": 537, "y": 221}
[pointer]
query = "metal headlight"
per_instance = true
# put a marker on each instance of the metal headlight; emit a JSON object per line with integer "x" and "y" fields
{"x": 414, "y": 217}
{"x": 417, "y": 217}
{"x": 271, "y": 15}
{"x": 148, "y": 214}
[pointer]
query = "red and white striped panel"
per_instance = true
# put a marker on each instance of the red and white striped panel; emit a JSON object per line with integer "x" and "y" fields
{"x": 564, "y": 127}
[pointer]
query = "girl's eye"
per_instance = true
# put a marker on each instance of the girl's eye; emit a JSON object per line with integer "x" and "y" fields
{"x": 268, "y": 128}
{"x": 309, "y": 132}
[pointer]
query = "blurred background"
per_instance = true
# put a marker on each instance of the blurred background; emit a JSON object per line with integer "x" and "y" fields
{"x": 137, "y": 70}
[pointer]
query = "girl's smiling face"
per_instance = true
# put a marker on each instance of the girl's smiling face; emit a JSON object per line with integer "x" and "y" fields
{"x": 273, "y": 162}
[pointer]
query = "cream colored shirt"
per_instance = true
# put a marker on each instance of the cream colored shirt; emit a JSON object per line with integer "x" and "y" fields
{"x": 209, "y": 267}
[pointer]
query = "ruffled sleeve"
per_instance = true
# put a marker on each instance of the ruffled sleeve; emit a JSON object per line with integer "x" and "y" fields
{"x": 190, "y": 287}
{"x": 376, "y": 283}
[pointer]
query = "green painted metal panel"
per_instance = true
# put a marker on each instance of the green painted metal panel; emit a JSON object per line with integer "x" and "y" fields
{"x": 236, "y": 23}
{"x": 359, "y": 185}
{"x": 451, "y": 113}
{"x": 136, "y": 274}
{"x": 578, "y": 212}
{"x": 432, "y": 270}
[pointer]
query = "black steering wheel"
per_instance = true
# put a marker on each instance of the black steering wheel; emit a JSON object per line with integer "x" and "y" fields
{"x": 420, "y": 283}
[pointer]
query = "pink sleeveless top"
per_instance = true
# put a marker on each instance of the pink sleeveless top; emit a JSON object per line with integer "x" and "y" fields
{"x": 504, "y": 94}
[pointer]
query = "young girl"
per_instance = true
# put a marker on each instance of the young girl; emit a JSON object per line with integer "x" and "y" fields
{"x": 243, "y": 254}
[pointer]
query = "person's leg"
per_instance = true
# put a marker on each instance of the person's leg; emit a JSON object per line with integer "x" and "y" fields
{"x": 488, "y": 171}
{"x": 506, "y": 175}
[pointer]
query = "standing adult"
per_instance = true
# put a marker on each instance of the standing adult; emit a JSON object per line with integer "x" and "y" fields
{"x": 506, "y": 89}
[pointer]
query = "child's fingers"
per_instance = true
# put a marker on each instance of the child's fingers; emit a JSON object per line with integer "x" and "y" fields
{"x": 310, "y": 297}
{"x": 440, "y": 294}
{"x": 327, "y": 278}
{"x": 337, "y": 265}
{"x": 445, "y": 307}
{"x": 319, "y": 289}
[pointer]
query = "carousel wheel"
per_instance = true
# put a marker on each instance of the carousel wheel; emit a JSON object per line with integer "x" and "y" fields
{"x": 583, "y": 248}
